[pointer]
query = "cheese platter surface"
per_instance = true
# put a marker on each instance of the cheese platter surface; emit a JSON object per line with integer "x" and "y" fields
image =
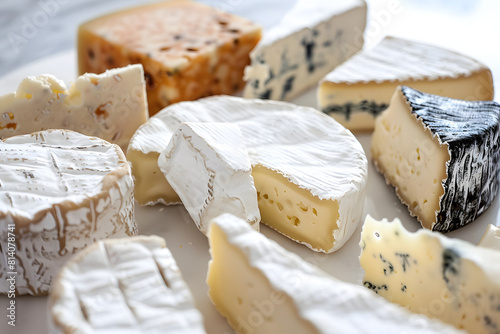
{"x": 190, "y": 247}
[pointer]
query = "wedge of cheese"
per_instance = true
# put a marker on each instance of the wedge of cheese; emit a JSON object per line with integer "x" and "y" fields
{"x": 60, "y": 191}
{"x": 310, "y": 40}
{"x": 440, "y": 154}
{"x": 110, "y": 106}
{"x": 357, "y": 91}
{"x": 451, "y": 280}
{"x": 491, "y": 238}
{"x": 188, "y": 50}
{"x": 207, "y": 165}
{"x": 262, "y": 288}
{"x": 309, "y": 171}
{"x": 130, "y": 285}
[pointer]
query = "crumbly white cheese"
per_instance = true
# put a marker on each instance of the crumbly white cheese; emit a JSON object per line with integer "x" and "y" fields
{"x": 59, "y": 192}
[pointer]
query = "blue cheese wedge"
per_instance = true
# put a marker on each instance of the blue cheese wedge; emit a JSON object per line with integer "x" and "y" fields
{"x": 259, "y": 287}
{"x": 451, "y": 280}
{"x": 208, "y": 166}
{"x": 117, "y": 286}
{"x": 311, "y": 39}
{"x": 60, "y": 191}
{"x": 309, "y": 171}
{"x": 440, "y": 154}
{"x": 111, "y": 105}
{"x": 357, "y": 91}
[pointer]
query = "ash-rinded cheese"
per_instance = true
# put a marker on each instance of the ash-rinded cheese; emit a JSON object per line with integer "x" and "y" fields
{"x": 440, "y": 154}
{"x": 59, "y": 192}
{"x": 120, "y": 286}
{"x": 451, "y": 280}
{"x": 110, "y": 106}
{"x": 309, "y": 171}
{"x": 262, "y": 288}
{"x": 188, "y": 50}
{"x": 314, "y": 37}
{"x": 207, "y": 165}
{"x": 361, "y": 88}
{"x": 491, "y": 238}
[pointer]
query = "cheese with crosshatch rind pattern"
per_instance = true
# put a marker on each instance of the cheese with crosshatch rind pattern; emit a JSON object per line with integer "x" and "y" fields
{"x": 188, "y": 50}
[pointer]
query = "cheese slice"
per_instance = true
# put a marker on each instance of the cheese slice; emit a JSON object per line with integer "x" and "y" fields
{"x": 110, "y": 106}
{"x": 59, "y": 192}
{"x": 491, "y": 238}
{"x": 188, "y": 50}
{"x": 207, "y": 165}
{"x": 310, "y": 40}
{"x": 443, "y": 278}
{"x": 440, "y": 154}
{"x": 357, "y": 91}
{"x": 125, "y": 286}
{"x": 309, "y": 171}
{"x": 262, "y": 288}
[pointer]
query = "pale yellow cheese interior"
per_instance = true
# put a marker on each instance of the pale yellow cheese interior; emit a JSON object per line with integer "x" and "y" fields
{"x": 478, "y": 86}
{"x": 243, "y": 295}
{"x": 293, "y": 211}
{"x": 411, "y": 159}
{"x": 152, "y": 186}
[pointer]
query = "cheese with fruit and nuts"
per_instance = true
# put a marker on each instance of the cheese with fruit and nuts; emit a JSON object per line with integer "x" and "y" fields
{"x": 310, "y": 40}
{"x": 207, "y": 165}
{"x": 447, "y": 279}
{"x": 110, "y": 106}
{"x": 310, "y": 172}
{"x": 361, "y": 88}
{"x": 188, "y": 50}
{"x": 259, "y": 287}
{"x": 441, "y": 155}
{"x": 130, "y": 285}
{"x": 59, "y": 192}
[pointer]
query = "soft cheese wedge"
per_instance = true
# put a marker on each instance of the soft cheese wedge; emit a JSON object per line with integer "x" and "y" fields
{"x": 310, "y": 40}
{"x": 357, "y": 91}
{"x": 207, "y": 165}
{"x": 309, "y": 171}
{"x": 59, "y": 192}
{"x": 110, "y": 106}
{"x": 491, "y": 238}
{"x": 451, "y": 280}
{"x": 188, "y": 50}
{"x": 262, "y": 288}
{"x": 440, "y": 154}
{"x": 120, "y": 286}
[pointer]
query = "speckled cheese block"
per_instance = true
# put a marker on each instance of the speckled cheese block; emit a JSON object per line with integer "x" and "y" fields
{"x": 188, "y": 50}
{"x": 60, "y": 191}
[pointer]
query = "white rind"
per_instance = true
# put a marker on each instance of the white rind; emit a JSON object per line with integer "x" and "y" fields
{"x": 207, "y": 165}
{"x": 491, "y": 238}
{"x": 395, "y": 59}
{"x": 328, "y": 304}
{"x": 62, "y": 191}
{"x": 128, "y": 285}
{"x": 307, "y": 147}
{"x": 111, "y": 105}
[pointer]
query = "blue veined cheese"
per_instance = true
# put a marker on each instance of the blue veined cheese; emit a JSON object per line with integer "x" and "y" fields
{"x": 123, "y": 286}
{"x": 259, "y": 287}
{"x": 314, "y": 37}
{"x": 360, "y": 89}
{"x": 443, "y": 278}
{"x": 440, "y": 154}
{"x": 309, "y": 171}
{"x": 111, "y": 105}
{"x": 60, "y": 191}
{"x": 491, "y": 238}
{"x": 208, "y": 166}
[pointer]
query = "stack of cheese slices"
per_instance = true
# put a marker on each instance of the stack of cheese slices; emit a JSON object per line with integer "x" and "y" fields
{"x": 147, "y": 127}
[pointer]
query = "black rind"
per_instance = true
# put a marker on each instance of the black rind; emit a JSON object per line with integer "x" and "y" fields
{"x": 471, "y": 131}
